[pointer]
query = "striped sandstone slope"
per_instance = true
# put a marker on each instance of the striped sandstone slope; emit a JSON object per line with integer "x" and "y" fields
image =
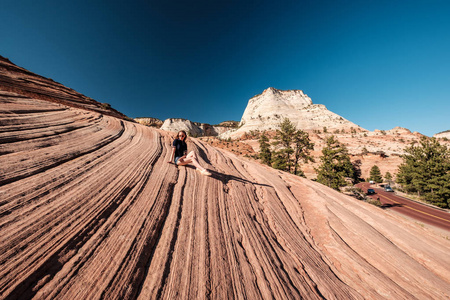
{"x": 90, "y": 209}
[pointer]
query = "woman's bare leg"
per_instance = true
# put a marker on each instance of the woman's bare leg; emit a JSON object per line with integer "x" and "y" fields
{"x": 191, "y": 158}
{"x": 192, "y": 155}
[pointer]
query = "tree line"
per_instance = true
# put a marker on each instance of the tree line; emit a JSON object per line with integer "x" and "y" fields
{"x": 292, "y": 146}
{"x": 425, "y": 169}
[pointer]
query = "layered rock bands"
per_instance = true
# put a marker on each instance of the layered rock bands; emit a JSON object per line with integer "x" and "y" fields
{"x": 90, "y": 209}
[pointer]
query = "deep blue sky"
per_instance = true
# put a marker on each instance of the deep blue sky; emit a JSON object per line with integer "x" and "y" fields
{"x": 380, "y": 64}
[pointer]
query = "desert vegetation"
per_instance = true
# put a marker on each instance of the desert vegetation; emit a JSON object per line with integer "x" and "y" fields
{"x": 425, "y": 171}
{"x": 291, "y": 147}
{"x": 375, "y": 174}
{"x": 335, "y": 164}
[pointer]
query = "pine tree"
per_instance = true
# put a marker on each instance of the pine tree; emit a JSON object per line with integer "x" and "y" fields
{"x": 388, "y": 177}
{"x": 264, "y": 150}
{"x": 336, "y": 165}
{"x": 357, "y": 171}
{"x": 302, "y": 148}
{"x": 292, "y": 146}
{"x": 426, "y": 171}
{"x": 279, "y": 161}
{"x": 282, "y": 157}
{"x": 375, "y": 174}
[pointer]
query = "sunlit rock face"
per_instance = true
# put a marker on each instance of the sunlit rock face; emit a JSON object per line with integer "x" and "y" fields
{"x": 152, "y": 122}
{"x": 176, "y": 125}
{"x": 272, "y": 104}
{"x": 267, "y": 110}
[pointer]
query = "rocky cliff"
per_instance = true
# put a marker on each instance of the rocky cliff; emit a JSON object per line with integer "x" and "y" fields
{"x": 267, "y": 110}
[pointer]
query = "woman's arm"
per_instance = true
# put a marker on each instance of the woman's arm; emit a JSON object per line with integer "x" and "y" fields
{"x": 172, "y": 155}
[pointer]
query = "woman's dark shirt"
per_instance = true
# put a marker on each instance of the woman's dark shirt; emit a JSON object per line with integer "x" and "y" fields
{"x": 180, "y": 146}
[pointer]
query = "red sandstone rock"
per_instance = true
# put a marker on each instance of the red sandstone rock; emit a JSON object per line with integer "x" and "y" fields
{"x": 90, "y": 208}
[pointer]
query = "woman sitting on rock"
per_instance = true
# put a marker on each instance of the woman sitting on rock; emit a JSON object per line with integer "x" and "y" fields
{"x": 179, "y": 150}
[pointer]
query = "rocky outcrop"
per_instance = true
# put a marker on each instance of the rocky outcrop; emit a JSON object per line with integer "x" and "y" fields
{"x": 176, "y": 125}
{"x": 398, "y": 130}
{"x": 267, "y": 110}
{"x": 152, "y": 122}
{"x": 228, "y": 124}
{"x": 193, "y": 128}
{"x": 212, "y": 130}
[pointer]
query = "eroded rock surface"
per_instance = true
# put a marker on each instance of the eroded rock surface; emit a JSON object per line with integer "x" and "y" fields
{"x": 90, "y": 209}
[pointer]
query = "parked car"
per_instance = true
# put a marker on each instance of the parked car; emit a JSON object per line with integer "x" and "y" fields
{"x": 388, "y": 189}
{"x": 371, "y": 182}
{"x": 370, "y": 191}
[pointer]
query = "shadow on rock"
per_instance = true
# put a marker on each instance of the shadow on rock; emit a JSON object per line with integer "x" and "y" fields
{"x": 389, "y": 205}
{"x": 225, "y": 178}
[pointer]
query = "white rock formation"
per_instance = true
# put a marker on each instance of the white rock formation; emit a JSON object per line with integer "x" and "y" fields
{"x": 441, "y": 135}
{"x": 267, "y": 110}
{"x": 193, "y": 128}
{"x": 175, "y": 125}
{"x": 152, "y": 122}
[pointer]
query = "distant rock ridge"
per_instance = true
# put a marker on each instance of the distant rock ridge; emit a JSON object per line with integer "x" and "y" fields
{"x": 399, "y": 130}
{"x": 442, "y": 135}
{"x": 267, "y": 110}
{"x": 194, "y": 128}
{"x": 152, "y": 122}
